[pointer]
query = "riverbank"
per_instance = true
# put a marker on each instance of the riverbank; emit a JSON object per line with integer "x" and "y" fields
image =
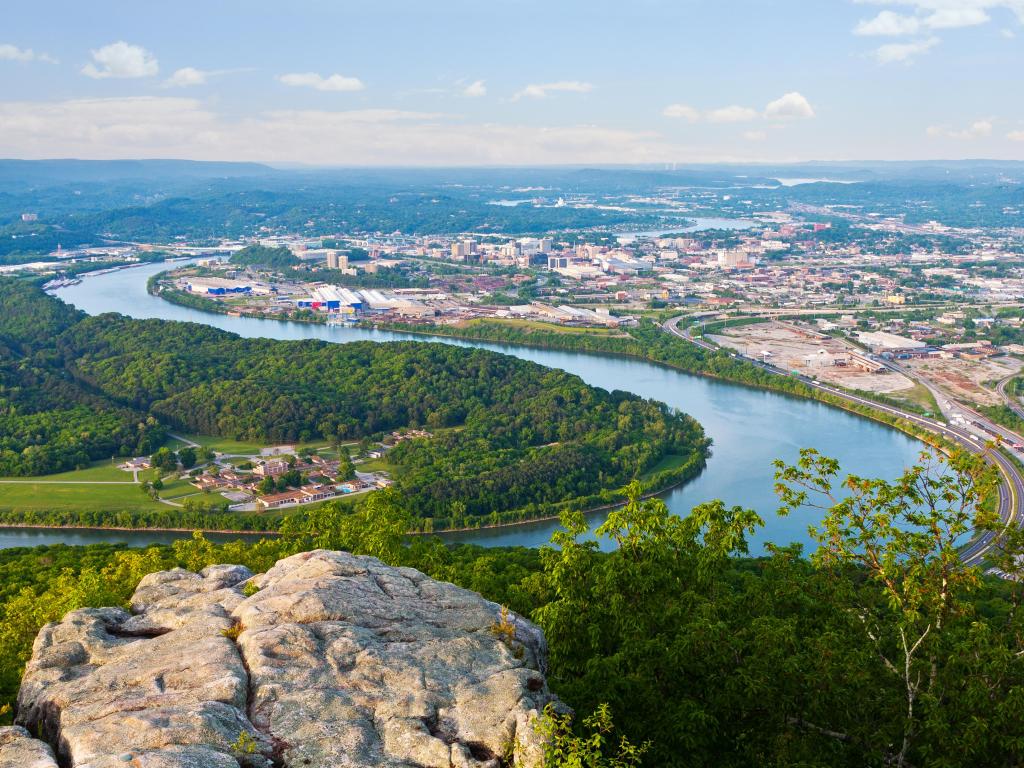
{"x": 749, "y": 375}
{"x": 751, "y": 425}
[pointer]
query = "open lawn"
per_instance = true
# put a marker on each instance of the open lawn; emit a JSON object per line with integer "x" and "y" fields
{"x": 100, "y": 471}
{"x": 176, "y": 490}
{"x": 916, "y": 395}
{"x": 101, "y": 498}
{"x": 222, "y": 444}
{"x": 244, "y": 447}
{"x": 671, "y": 461}
{"x": 538, "y": 325}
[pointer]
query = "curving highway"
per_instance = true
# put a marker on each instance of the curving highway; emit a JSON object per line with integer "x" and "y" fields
{"x": 1011, "y": 490}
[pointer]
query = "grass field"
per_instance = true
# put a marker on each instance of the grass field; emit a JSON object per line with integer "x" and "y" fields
{"x": 671, "y": 461}
{"x": 916, "y": 395}
{"x": 229, "y": 445}
{"x": 100, "y": 471}
{"x": 538, "y": 325}
{"x": 47, "y": 496}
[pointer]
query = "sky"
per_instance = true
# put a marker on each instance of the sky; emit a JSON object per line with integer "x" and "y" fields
{"x": 513, "y": 82}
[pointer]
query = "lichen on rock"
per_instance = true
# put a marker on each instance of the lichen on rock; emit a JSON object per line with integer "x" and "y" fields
{"x": 336, "y": 661}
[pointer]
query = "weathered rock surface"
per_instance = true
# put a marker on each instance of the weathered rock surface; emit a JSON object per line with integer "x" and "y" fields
{"x": 337, "y": 661}
{"x": 19, "y": 750}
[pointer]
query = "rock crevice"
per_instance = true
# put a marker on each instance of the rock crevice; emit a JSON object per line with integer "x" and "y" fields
{"x": 337, "y": 661}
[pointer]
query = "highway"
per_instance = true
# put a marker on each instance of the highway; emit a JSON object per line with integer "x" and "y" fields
{"x": 1012, "y": 402}
{"x": 1011, "y": 490}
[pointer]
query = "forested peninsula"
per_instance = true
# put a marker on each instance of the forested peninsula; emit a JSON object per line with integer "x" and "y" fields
{"x": 513, "y": 440}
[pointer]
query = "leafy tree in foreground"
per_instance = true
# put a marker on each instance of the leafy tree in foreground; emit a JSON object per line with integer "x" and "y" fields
{"x": 902, "y": 536}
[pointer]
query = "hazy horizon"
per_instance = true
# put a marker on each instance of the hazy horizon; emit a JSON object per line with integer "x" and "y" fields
{"x": 514, "y": 82}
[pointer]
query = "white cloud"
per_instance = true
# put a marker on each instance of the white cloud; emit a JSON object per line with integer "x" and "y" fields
{"x": 927, "y": 17}
{"x": 10, "y": 52}
{"x": 934, "y": 14}
{"x": 176, "y": 127}
{"x": 790, "y": 106}
{"x": 475, "y": 90}
{"x": 542, "y": 90}
{"x": 979, "y": 129}
{"x": 682, "y": 111}
{"x": 121, "y": 60}
{"x": 1007, "y": 34}
{"x": 755, "y": 135}
{"x": 888, "y": 23}
{"x": 732, "y": 114}
{"x": 956, "y": 17}
{"x": 320, "y": 83}
{"x": 1015, "y": 135}
{"x": 896, "y": 52}
{"x": 186, "y": 77}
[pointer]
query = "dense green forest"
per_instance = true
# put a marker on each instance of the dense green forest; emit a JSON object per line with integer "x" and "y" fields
{"x": 882, "y": 649}
{"x": 516, "y": 440}
{"x": 50, "y": 422}
{"x": 650, "y": 342}
{"x": 262, "y": 256}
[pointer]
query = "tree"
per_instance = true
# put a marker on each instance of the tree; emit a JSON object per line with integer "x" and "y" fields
{"x": 904, "y": 537}
{"x": 164, "y": 459}
{"x": 346, "y": 469}
{"x": 187, "y": 457}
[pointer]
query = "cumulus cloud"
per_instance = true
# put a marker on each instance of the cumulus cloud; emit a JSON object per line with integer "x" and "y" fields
{"x": 979, "y": 129}
{"x": 755, "y": 135}
{"x": 1015, "y": 135}
{"x": 789, "y": 106}
{"x": 896, "y": 52}
{"x": 732, "y": 114}
{"x": 186, "y": 77}
{"x": 925, "y": 18}
{"x": 543, "y": 90}
{"x": 475, "y": 90}
{"x": 121, "y": 60}
{"x": 888, "y": 23}
{"x": 682, "y": 112}
{"x": 318, "y": 82}
{"x": 177, "y": 127}
{"x": 10, "y": 52}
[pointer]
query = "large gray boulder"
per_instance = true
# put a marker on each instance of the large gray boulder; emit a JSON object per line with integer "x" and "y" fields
{"x": 19, "y": 750}
{"x": 337, "y": 661}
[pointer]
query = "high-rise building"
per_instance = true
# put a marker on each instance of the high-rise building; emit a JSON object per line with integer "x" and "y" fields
{"x": 459, "y": 251}
{"x": 545, "y": 244}
{"x": 332, "y": 260}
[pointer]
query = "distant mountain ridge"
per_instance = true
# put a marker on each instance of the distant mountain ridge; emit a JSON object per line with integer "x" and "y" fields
{"x": 60, "y": 171}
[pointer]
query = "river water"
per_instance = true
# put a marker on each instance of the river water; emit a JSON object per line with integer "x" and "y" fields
{"x": 749, "y": 427}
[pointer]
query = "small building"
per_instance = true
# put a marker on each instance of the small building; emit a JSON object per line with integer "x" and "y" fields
{"x": 305, "y": 495}
{"x": 138, "y": 463}
{"x": 271, "y": 468}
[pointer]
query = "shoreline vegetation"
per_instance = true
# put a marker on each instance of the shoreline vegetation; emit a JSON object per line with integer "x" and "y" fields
{"x": 254, "y": 532}
{"x": 535, "y": 442}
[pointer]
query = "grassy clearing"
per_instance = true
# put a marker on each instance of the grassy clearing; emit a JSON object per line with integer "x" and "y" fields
{"x": 538, "y": 325}
{"x": 669, "y": 461}
{"x": 917, "y": 395}
{"x": 99, "y": 498}
{"x": 177, "y": 489}
{"x": 100, "y": 471}
{"x": 225, "y": 444}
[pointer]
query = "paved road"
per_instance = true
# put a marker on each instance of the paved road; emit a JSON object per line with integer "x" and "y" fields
{"x": 1012, "y": 402}
{"x": 1011, "y": 490}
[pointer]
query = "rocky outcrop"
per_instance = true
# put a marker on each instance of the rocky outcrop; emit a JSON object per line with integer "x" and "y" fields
{"x": 328, "y": 660}
{"x": 19, "y": 750}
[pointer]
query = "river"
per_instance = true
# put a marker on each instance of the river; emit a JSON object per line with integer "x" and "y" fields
{"x": 749, "y": 427}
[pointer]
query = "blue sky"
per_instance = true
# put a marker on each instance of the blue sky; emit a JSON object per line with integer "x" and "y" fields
{"x": 399, "y": 82}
